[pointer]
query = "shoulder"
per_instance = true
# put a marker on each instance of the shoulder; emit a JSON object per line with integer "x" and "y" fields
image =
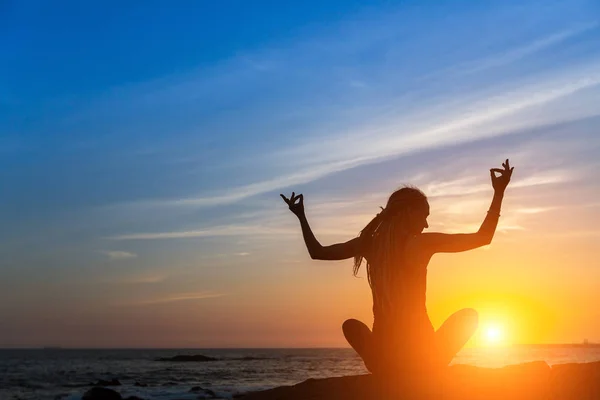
{"x": 363, "y": 245}
{"x": 420, "y": 244}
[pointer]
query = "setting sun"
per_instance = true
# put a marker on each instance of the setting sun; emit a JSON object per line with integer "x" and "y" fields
{"x": 493, "y": 335}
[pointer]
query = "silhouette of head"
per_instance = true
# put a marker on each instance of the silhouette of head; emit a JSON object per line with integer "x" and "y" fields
{"x": 410, "y": 208}
{"x": 404, "y": 215}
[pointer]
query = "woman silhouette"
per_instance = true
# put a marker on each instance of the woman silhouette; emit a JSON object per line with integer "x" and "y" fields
{"x": 397, "y": 252}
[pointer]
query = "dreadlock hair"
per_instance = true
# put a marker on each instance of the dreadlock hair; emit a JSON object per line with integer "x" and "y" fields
{"x": 384, "y": 237}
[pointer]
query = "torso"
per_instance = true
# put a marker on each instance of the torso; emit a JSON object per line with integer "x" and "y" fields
{"x": 405, "y": 319}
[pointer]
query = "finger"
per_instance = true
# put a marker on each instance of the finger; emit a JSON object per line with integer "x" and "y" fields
{"x": 285, "y": 199}
{"x": 301, "y": 199}
{"x": 497, "y": 170}
{"x": 492, "y": 174}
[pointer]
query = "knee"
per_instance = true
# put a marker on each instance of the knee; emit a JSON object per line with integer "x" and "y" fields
{"x": 350, "y": 325}
{"x": 470, "y": 316}
{"x": 355, "y": 330}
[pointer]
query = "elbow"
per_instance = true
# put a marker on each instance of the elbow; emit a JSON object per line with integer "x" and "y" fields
{"x": 485, "y": 238}
{"x": 316, "y": 254}
{"x": 317, "y": 257}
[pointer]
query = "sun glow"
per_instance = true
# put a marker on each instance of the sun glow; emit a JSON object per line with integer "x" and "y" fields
{"x": 493, "y": 335}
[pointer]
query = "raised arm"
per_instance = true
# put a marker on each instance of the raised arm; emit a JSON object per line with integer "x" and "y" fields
{"x": 339, "y": 251}
{"x": 453, "y": 243}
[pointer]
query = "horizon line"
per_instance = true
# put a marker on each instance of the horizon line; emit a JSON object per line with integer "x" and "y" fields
{"x": 580, "y": 344}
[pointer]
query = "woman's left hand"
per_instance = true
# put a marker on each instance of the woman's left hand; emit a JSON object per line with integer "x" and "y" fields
{"x": 499, "y": 183}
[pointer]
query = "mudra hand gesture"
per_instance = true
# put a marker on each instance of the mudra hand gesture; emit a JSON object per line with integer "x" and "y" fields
{"x": 499, "y": 183}
{"x": 296, "y": 208}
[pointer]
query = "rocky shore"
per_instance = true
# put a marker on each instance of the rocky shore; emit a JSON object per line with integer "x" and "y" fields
{"x": 529, "y": 381}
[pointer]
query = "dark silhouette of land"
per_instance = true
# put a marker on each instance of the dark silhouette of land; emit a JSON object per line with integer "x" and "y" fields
{"x": 531, "y": 381}
{"x": 188, "y": 358}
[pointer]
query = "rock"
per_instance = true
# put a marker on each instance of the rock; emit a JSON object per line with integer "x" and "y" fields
{"x": 346, "y": 387}
{"x": 196, "y": 358}
{"x": 530, "y": 381}
{"x": 112, "y": 382}
{"x": 200, "y": 389}
{"x": 138, "y": 384}
{"x": 575, "y": 381}
{"x": 101, "y": 393}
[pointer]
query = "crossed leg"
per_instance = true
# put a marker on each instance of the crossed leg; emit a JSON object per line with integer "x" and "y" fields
{"x": 454, "y": 333}
{"x": 360, "y": 337}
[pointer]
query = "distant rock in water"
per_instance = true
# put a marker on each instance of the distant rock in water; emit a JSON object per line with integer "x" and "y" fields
{"x": 529, "y": 381}
{"x": 200, "y": 389}
{"x": 186, "y": 358}
{"x": 102, "y": 382}
{"x": 101, "y": 393}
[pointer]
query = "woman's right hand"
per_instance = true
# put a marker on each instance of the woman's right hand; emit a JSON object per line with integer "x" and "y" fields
{"x": 501, "y": 182}
{"x": 296, "y": 208}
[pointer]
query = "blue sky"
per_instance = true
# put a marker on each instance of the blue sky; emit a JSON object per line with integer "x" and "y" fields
{"x": 143, "y": 145}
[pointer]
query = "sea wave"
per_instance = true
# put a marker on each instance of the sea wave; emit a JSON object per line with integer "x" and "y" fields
{"x": 67, "y": 374}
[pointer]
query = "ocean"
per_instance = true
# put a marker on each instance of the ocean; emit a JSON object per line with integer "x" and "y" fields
{"x": 65, "y": 374}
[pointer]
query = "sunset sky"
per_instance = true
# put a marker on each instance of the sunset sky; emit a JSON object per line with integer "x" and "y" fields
{"x": 144, "y": 145}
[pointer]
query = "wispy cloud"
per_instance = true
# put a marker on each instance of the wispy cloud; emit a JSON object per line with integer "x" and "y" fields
{"x": 496, "y": 113}
{"x": 243, "y": 192}
{"x": 346, "y": 216}
{"x": 469, "y": 185}
{"x": 225, "y": 230}
{"x": 177, "y": 298}
{"x": 572, "y": 234}
{"x": 534, "y": 210}
{"x": 518, "y": 53}
{"x": 145, "y": 279}
{"x": 503, "y": 226}
{"x": 507, "y": 111}
{"x": 118, "y": 255}
{"x": 358, "y": 84}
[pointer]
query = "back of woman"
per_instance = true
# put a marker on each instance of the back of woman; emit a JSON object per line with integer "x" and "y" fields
{"x": 396, "y": 253}
{"x": 397, "y": 274}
